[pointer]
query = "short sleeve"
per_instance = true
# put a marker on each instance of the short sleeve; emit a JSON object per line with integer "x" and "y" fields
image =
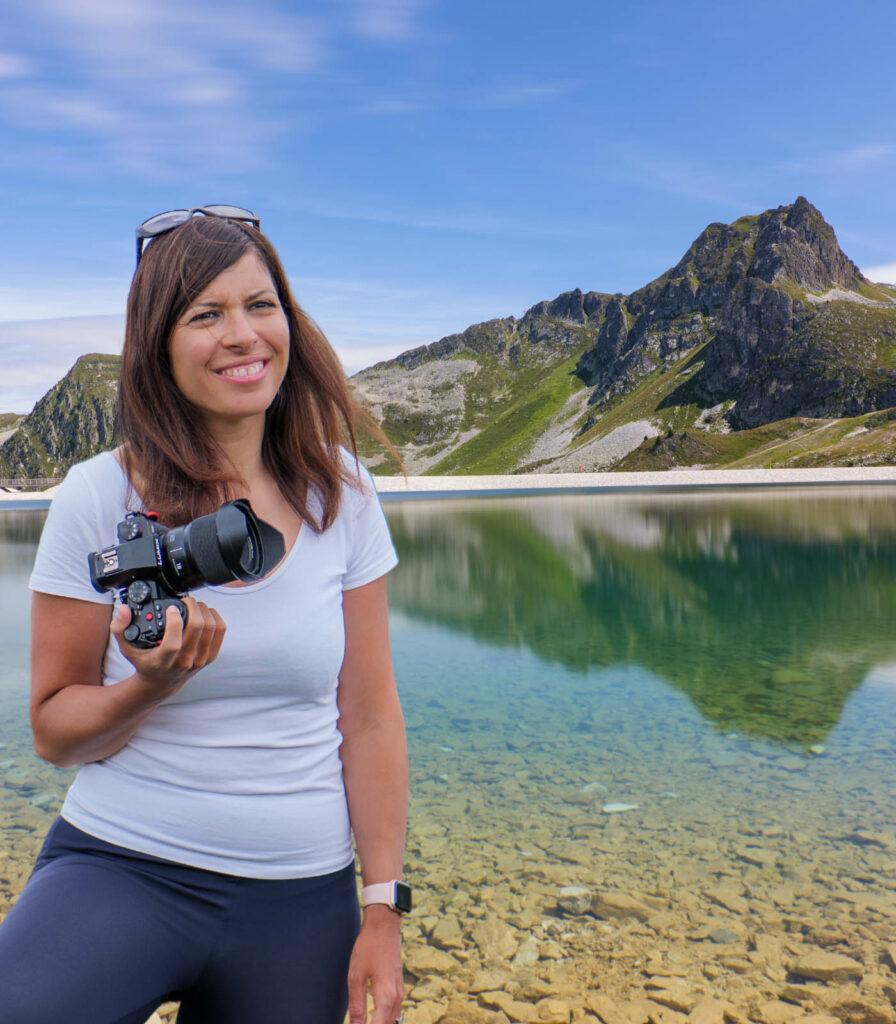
{"x": 73, "y": 529}
{"x": 371, "y": 552}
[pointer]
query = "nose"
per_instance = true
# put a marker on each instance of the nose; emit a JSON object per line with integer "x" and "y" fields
{"x": 239, "y": 332}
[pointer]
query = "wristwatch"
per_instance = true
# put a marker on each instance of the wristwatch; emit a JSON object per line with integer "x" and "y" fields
{"x": 395, "y": 894}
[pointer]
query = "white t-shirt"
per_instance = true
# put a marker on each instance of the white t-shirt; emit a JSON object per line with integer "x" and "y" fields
{"x": 239, "y": 771}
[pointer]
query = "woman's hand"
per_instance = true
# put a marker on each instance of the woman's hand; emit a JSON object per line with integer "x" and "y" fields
{"x": 375, "y": 966}
{"x": 74, "y": 718}
{"x": 184, "y": 649}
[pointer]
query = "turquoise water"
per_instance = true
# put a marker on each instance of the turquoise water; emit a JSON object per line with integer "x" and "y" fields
{"x": 721, "y": 665}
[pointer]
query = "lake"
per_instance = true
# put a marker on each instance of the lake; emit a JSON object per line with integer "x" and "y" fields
{"x": 680, "y": 707}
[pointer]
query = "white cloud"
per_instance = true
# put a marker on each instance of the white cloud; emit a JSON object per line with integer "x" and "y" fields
{"x": 847, "y": 161}
{"x": 513, "y": 93}
{"x": 471, "y": 220}
{"x": 14, "y": 65}
{"x": 387, "y": 19}
{"x": 158, "y": 83}
{"x": 61, "y": 300}
{"x": 883, "y": 273}
{"x": 36, "y": 354}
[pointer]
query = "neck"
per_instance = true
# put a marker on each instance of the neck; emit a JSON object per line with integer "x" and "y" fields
{"x": 240, "y": 444}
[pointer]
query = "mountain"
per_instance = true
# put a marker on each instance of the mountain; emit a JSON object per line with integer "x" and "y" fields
{"x": 74, "y": 420}
{"x": 763, "y": 346}
{"x": 761, "y": 321}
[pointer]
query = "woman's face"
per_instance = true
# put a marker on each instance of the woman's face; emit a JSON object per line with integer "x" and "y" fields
{"x": 229, "y": 351}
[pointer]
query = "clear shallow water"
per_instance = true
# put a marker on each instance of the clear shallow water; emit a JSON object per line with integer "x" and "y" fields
{"x": 725, "y": 663}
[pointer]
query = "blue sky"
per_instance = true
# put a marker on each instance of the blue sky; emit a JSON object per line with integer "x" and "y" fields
{"x": 422, "y": 165}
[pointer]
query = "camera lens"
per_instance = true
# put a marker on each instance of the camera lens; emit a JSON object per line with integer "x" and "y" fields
{"x": 218, "y": 548}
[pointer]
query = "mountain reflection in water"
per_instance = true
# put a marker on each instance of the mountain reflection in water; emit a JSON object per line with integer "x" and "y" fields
{"x": 767, "y": 608}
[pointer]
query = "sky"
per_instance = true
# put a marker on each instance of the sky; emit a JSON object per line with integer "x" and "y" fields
{"x": 422, "y": 165}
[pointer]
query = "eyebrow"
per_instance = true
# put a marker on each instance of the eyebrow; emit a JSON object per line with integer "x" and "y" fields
{"x": 249, "y": 298}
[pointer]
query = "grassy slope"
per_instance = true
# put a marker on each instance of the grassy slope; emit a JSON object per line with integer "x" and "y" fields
{"x": 868, "y": 440}
{"x": 534, "y": 396}
{"x": 511, "y": 410}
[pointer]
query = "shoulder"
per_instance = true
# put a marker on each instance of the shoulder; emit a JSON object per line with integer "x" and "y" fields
{"x": 83, "y": 515}
{"x": 358, "y": 488}
{"x": 96, "y": 479}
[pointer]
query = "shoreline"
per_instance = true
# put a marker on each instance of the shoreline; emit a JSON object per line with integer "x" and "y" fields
{"x": 392, "y": 487}
{"x": 396, "y": 488}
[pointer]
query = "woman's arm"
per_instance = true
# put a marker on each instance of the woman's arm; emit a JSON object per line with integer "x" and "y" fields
{"x": 375, "y": 768}
{"x": 74, "y": 718}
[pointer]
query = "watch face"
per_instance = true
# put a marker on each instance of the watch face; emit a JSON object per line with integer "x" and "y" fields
{"x": 402, "y": 897}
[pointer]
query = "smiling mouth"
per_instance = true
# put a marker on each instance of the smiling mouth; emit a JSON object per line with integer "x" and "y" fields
{"x": 249, "y": 370}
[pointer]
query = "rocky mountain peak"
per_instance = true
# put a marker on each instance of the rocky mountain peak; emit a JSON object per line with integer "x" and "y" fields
{"x": 797, "y": 244}
{"x": 754, "y": 264}
{"x": 74, "y": 420}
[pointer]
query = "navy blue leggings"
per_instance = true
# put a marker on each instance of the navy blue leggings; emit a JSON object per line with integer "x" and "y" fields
{"x": 102, "y": 935}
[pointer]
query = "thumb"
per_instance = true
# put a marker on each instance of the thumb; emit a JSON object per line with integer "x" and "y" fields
{"x": 121, "y": 619}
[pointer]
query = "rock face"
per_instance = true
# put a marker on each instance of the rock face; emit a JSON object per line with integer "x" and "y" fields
{"x": 762, "y": 320}
{"x": 73, "y": 421}
{"x": 755, "y": 290}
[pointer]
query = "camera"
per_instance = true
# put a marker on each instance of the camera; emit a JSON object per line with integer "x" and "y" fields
{"x": 153, "y": 566}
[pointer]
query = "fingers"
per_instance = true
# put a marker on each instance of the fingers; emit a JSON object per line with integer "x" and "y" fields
{"x": 386, "y": 989}
{"x": 387, "y": 1001}
{"x": 185, "y": 647}
{"x": 200, "y": 640}
{"x": 357, "y": 999}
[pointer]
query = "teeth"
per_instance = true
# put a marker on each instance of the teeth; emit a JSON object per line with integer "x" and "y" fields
{"x": 243, "y": 371}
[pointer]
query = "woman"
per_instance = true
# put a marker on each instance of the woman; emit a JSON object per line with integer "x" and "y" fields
{"x": 204, "y": 851}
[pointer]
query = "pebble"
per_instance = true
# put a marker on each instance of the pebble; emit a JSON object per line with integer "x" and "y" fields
{"x": 617, "y": 808}
{"x": 674, "y": 993}
{"x": 574, "y": 899}
{"x": 823, "y": 966}
{"x": 607, "y": 1010}
{"x": 494, "y": 939}
{"x": 619, "y": 905}
{"x": 775, "y": 1011}
{"x": 458, "y": 1011}
{"x": 729, "y": 897}
{"x": 856, "y": 1009}
{"x": 554, "y": 1011}
{"x": 527, "y": 954}
{"x": 422, "y": 960}
{"x": 447, "y": 934}
{"x": 514, "y": 1009}
{"x": 707, "y": 1011}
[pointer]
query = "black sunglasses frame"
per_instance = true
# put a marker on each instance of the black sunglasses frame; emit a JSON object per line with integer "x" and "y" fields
{"x": 212, "y": 210}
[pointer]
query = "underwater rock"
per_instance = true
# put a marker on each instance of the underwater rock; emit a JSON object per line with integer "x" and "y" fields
{"x": 574, "y": 899}
{"x": 834, "y": 967}
{"x": 610, "y": 905}
{"x": 775, "y": 1011}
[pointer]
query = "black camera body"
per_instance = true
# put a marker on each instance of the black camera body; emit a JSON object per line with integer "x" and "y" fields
{"x": 153, "y": 566}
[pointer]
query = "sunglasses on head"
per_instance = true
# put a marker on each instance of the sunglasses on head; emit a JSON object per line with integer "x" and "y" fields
{"x": 172, "y": 219}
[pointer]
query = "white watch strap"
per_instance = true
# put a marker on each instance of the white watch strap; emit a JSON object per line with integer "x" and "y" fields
{"x": 381, "y": 892}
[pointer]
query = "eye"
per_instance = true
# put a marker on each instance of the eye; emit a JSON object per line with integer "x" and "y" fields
{"x": 263, "y": 304}
{"x": 206, "y": 316}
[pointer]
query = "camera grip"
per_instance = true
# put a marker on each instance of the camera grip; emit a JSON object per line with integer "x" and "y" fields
{"x": 148, "y": 607}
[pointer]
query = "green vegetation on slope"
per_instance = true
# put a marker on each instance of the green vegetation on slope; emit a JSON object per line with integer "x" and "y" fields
{"x": 534, "y": 397}
{"x": 800, "y": 442}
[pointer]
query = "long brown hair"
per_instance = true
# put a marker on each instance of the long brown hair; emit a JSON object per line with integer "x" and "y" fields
{"x": 180, "y": 468}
